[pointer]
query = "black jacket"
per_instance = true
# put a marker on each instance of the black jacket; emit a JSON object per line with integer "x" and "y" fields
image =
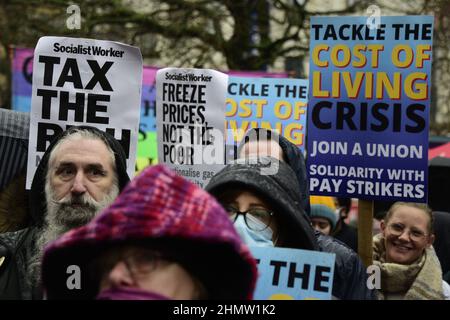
{"x": 17, "y": 247}
{"x": 348, "y": 235}
{"x": 350, "y": 275}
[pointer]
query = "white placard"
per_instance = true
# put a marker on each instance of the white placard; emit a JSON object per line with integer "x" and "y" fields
{"x": 84, "y": 82}
{"x": 190, "y": 121}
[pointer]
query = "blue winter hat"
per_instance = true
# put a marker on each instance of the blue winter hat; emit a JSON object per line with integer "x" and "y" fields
{"x": 323, "y": 211}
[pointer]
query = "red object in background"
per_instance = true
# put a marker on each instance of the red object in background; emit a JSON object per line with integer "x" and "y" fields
{"x": 353, "y": 213}
{"x": 441, "y": 151}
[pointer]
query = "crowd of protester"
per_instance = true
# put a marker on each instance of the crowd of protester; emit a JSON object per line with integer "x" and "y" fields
{"x": 160, "y": 236}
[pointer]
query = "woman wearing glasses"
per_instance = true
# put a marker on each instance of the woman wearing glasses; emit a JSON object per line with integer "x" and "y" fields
{"x": 262, "y": 204}
{"x": 350, "y": 277}
{"x": 403, "y": 251}
{"x": 253, "y": 217}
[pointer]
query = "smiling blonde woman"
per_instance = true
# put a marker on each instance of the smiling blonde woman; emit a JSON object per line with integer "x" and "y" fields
{"x": 410, "y": 269}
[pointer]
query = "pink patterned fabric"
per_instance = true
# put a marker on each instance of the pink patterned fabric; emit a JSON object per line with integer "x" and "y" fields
{"x": 158, "y": 204}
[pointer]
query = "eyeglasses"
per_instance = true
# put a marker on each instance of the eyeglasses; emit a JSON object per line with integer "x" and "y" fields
{"x": 397, "y": 230}
{"x": 139, "y": 261}
{"x": 260, "y": 214}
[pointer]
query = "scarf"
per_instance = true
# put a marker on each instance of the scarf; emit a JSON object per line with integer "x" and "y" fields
{"x": 128, "y": 293}
{"x": 420, "y": 280}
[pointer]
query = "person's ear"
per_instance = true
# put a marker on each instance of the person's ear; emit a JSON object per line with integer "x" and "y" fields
{"x": 431, "y": 240}
{"x": 382, "y": 225}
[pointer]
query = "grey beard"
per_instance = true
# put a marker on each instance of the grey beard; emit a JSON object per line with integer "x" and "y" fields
{"x": 60, "y": 218}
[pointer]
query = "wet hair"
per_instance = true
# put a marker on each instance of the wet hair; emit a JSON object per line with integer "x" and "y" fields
{"x": 422, "y": 206}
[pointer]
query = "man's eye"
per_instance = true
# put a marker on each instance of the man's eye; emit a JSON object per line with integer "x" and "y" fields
{"x": 97, "y": 172}
{"x": 65, "y": 172}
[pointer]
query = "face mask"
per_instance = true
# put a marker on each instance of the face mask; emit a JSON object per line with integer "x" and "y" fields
{"x": 251, "y": 237}
{"x": 127, "y": 293}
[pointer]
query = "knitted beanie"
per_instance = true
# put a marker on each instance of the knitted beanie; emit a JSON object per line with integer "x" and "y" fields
{"x": 323, "y": 211}
{"x": 325, "y": 200}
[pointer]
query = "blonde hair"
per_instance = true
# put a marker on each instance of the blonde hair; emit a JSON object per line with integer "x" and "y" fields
{"x": 422, "y": 206}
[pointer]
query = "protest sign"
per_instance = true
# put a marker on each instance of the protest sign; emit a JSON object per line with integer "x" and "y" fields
{"x": 147, "y": 153}
{"x": 190, "y": 121}
{"x": 147, "y": 150}
{"x": 22, "y": 70}
{"x": 84, "y": 82}
{"x": 147, "y": 143}
{"x": 257, "y": 74}
{"x": 368, "y": 107}
{"x": 293, "y": 274}
{"x": 275, "y": 104}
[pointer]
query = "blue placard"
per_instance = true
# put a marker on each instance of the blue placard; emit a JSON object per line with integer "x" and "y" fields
{"x": 369, "y": 106}
{"x": 275, "y": 104}
{"x": 293, "y": 274}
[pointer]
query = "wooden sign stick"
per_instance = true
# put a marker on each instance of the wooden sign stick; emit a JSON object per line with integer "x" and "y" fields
{"x": 365, "y": 225}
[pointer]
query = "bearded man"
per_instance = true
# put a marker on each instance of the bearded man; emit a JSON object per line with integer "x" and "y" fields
{"x": 80, "y": 174}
